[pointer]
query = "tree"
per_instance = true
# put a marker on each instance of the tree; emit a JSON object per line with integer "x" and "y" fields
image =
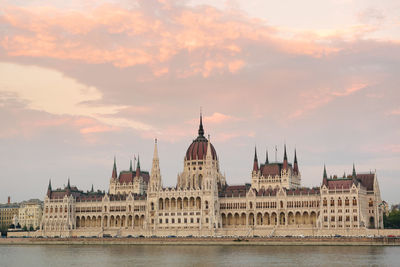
{"x": 392, "y": 220}
{"x": 31, "y": 228}
{"x": 24, "y": 228}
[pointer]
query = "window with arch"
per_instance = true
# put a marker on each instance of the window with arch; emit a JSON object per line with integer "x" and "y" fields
{"x": 325, "y": 202}
{"x": 370, "y": 202}
{"x": 339, "y": 202}
{"x": 332, "y": 202}
{"x": 346, "y": 201}
{"x": 354, "y": 201}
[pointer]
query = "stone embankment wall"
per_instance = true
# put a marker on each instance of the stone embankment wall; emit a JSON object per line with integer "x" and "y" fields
{"x": 232, "y": 232}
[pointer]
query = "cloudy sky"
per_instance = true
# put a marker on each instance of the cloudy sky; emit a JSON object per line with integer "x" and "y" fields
{"x": 85, "y": 80}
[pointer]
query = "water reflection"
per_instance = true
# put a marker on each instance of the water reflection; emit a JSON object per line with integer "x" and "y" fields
{"x": 189, "y": 255}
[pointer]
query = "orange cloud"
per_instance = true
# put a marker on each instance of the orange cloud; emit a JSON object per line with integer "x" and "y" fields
{"x": 110, "y": 34}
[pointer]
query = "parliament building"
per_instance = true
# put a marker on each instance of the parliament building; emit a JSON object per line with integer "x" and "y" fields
{"x": 203, "y": 203}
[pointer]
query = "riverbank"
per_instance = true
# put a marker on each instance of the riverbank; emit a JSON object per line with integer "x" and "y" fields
{"x": 276, "y": 241}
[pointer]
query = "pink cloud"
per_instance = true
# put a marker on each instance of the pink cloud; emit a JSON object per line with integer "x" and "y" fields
{"x": 97, "y": 129}
{"x": 123, "y": 37}
{"x": 394, "y": 112}
{"x": 217, "y": 117}
{"x": 315, "y": 99}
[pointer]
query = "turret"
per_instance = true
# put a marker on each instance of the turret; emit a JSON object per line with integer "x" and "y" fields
{"x": 295, "y": 164}
{"x": 138, "y": 167}
{"x": 325, "y": 177}
{"x": 49, "y": 189}
{"x": 114, "y": 171}
{"x": 354, "y": 175}
{"x": 255, "y": 164}
{"x": 285, "y": 160}
{"x": 68, "y": 189}
{"x": 155, "y": 176}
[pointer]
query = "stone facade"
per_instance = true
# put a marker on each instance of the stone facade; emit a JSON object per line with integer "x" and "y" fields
{"x": 203, "y": 204}
{"x": 7, "y": 214}
{"x": 30, "y": 214}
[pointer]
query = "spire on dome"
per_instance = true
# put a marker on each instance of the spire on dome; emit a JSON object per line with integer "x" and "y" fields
{"x": 255, "y": 165}
{"x": 114, "y": 171}
{"x": 266, "y": 156}
{"x": 201, "y": 129}
{"x": 138, "y": 167}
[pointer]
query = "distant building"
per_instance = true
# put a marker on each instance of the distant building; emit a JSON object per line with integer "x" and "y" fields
{"x": 203, "y": 204}
{"x": 30, "y": 214}
{"x": 7, "y": 213}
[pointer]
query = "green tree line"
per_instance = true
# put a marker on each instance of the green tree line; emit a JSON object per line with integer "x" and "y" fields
{"x": 392, "y": 220}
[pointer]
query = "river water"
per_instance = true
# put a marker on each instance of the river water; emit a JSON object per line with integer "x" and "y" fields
{"x": 193, "y": 255}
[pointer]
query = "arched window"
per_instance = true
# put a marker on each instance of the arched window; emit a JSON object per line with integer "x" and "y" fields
{"x": 346, "y": 201}
{"x": 325, "y": 202}
{"x": 370, "y": 202}
{"x": 354, "y": 201}
{"x": 332, "y": 202}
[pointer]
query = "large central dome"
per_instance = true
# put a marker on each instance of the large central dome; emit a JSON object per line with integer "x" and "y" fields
{"x": 198, "y": 149}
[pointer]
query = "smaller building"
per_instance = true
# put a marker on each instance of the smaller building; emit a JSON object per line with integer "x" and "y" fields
{"x": 30, "y": 214}
{"x": 7, "y": 213}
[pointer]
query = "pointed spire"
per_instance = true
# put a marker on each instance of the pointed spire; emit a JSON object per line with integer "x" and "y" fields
{"x": 201, "y": 129}
{"x": 68, "y": 185}
{"x": 114, "y": 171}
{"x": 354, "y": 175}
{"x": 255, "y": 164}
{"x": 49, "y": 189}
{"x": 155, "y": 175}
{"x": 130, "y": 166}
{"x": 138, "y": 167}
{"x": 344, "y": 174}
{"x": 155, "y": 154}
{"x": 285, "y": 155}
{"x": 285, "y": 161}
{"x": 325, "y": 178}
{"x": 92, "y": 190}
{"x": 295, "y": 164}
{"x": 266, "y": 156}
{"x": 208, "y": 153}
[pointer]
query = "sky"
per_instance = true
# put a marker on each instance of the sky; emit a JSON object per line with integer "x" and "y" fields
{"x": 84, "y": 81}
